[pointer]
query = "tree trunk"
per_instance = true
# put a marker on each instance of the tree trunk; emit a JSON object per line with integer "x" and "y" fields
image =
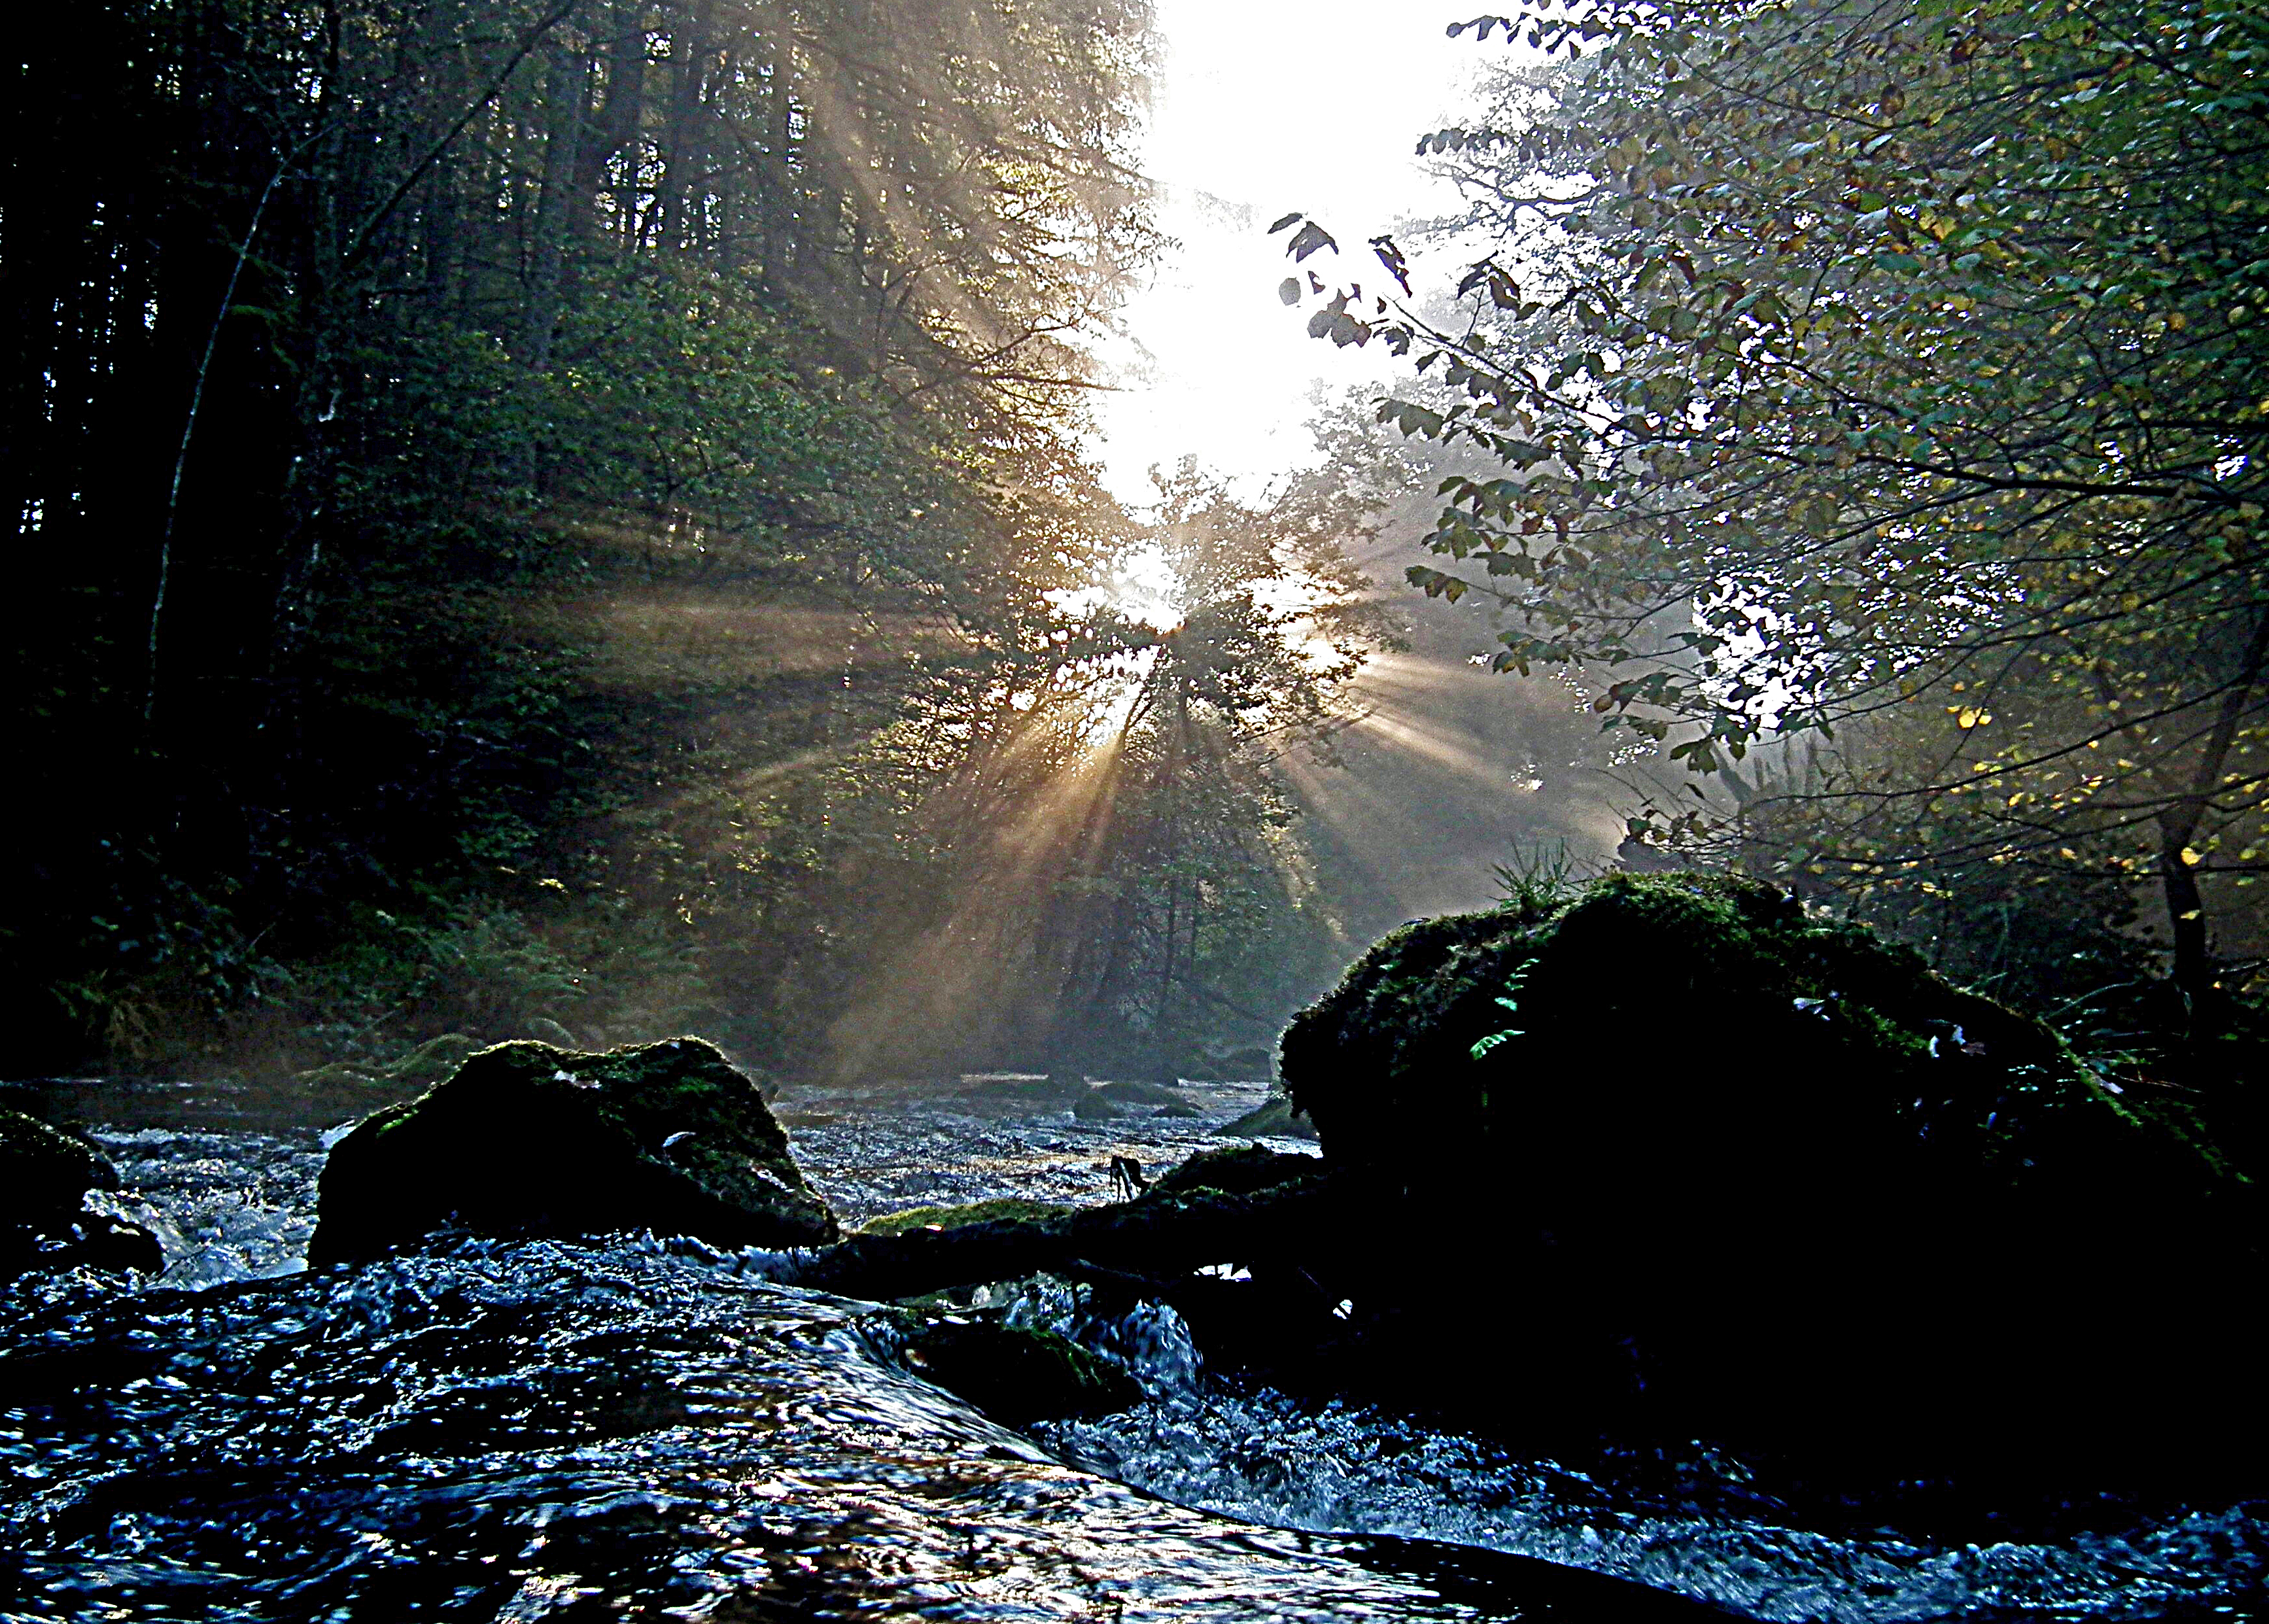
{"x": 306, "y": 487}
{"x": 563, "y": 94}
{"x": 610, "y": 129}
{"x": 2194, "y": 966}
{"x": 2179, "y": 825}
{"x": 676, "y": 207}
{"x": 779, "y": 203}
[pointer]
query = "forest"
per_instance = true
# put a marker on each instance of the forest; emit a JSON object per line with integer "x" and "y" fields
{"x": 690, "y": 944}
{"x": 1870, "y": 394}
{"x": 585, "y": 512}
{"x": 578, "y": 512}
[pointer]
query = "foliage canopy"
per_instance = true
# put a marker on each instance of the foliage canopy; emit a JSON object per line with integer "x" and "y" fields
{"x": 1847, "y": 360}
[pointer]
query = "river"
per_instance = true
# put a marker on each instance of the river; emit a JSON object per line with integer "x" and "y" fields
{"x": 653, "y": 1429}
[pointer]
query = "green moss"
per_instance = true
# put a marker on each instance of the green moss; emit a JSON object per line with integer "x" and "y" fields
{"x": 1240, "y": 1169}
{"x": 386, "y": 1119}
{"x": 1684, "y": 1019}
{"x": 528, "y": 1139}
{"x": 955, "y": 1217}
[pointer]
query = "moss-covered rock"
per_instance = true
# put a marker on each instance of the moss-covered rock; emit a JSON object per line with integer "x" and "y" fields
{"x": 1009, "y": 1206}
{"x": 1240, "y": 1170}
{"x": 1252, "y": 1060}
{"x": 529, "y": 1140}
{"x": 45, "y": 1176}
{"x": 44, "y": 1170}
{"x": 1017, "y": 1375}
{"x": 1663, "y": 1028}
{"x": 1768, "y": 1166}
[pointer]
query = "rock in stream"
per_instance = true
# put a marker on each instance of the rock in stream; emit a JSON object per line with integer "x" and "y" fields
{"x": 529, "y": 1140}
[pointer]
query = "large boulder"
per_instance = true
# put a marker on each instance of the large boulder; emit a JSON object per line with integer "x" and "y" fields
{"x": 1660, "y": 1036}
{"x": 526, "y": 1139}
{"x": 1760, "y": 1172}
{"x": 44, "y": 1224}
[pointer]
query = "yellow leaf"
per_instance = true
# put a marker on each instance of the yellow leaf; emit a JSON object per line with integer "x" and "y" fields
{"x": 2192, "y": 858}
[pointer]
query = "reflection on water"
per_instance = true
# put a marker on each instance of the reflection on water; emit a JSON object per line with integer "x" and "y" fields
{"x": 542, "y": 1431}
{"x": 539, "y": 1430}
{"x": 1256, "y": 1454}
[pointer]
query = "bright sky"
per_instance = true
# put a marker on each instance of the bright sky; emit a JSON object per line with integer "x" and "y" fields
{"x": 1261, "y": 110}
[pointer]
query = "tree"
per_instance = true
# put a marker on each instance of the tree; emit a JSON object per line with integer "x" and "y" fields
{"x": 1270, "y": 628}
{"x": 1090, "y": 857}
{"x": 361, "y": 348}
{"x": 1847, "y": 359}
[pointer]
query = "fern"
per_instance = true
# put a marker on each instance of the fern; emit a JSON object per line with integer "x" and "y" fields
{"x": 1508, "y": 1000}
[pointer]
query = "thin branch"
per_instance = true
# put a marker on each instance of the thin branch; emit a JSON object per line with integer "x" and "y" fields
{"x": 188, "y": 429}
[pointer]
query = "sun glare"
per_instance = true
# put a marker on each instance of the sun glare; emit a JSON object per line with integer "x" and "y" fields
{"x": 1141, "y": 586}
{"x": 1221, "y": 367}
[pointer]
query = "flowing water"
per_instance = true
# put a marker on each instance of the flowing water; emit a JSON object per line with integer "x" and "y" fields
{"x": 653, "y": 1429}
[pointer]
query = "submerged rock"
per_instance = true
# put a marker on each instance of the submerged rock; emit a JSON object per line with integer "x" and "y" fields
{"x": 1024, "y": 1088}
{"x": 1717, "y": 1160}
{"x": 526, "y": 1139}
{"x": 1141, "y": 1091}
{"x": 44, "y": 1224}
{"x": 1017, "y": 1375}
{"x": 1275, "y": 1118}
